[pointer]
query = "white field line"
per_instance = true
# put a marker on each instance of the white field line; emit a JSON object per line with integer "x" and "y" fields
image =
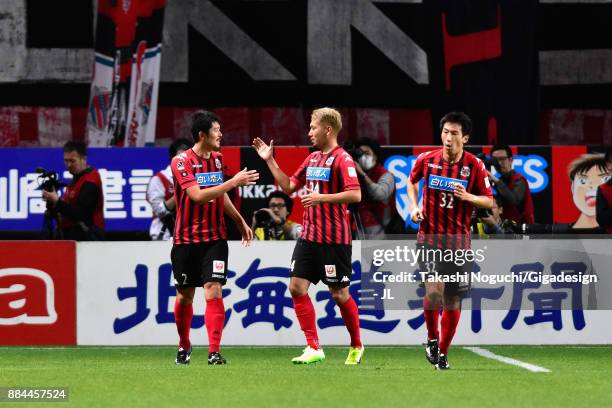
{"x": 507, "y": 360}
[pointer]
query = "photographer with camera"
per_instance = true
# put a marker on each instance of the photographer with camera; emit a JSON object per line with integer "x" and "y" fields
{"x": 271, "y": 223}
{"x": 160, "y": 194}
{"x": 489, "y": 221}
{"x": 377, "y": 207}
{"x": 80, "y": 210}
{"x": 512, "y": 188}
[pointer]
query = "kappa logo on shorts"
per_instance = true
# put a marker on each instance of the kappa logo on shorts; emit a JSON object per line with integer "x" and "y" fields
{"x": 292, "y": 267}
{"x": 330, "y": 271}
{"x": 345, "y": 279}
{"x": 218, "y": 266}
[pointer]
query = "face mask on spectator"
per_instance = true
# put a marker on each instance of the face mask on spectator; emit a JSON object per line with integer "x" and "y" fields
{"x": 367, "y": 162}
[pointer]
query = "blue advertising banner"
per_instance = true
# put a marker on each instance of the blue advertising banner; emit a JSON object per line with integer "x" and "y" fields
{"x": 125, "y": 174}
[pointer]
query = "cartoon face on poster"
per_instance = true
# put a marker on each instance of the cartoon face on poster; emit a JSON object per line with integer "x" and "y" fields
{"x": 586, "y": 173}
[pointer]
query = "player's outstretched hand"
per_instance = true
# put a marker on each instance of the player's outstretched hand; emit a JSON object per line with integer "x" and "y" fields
{"x": 263, "y": 150}
{"x": 461, "y": 193}
{"x": 246, "y": 233}
{"x": 311, "y": 199}
{"x": 416, "y": 215}
{"x": 245, "y": 177}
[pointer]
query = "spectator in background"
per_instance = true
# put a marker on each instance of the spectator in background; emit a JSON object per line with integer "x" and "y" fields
{"x": 377, "y": 207}
{"x": 604, "y": 198}
{"x": 80, "y": 209}
{"x": 586, "y": 173}
{"x": 512, "y": 188}
{"x": 160, "y": 194}
{"x": 272, "y": 223}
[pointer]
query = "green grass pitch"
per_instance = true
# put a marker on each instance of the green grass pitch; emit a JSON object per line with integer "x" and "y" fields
{"x": 264, "y": 377}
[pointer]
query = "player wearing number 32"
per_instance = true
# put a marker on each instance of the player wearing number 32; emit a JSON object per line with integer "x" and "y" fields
{"x": 455, "y": 181}
{"x": 323, "y": 251}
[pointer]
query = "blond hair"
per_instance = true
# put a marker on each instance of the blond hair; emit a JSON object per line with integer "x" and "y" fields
{"x": 329, "y": 117}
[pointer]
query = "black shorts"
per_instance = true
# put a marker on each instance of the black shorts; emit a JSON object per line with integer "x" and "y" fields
{"x": 460, "y": 271}
{"x": 195, "y": 264}
{"x": 326, "y": 262}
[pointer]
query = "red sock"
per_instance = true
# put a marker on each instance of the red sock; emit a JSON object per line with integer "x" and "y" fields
{"x": 431, "y": 318}
{"x": 350, "y": 315}
{"x": 182, "y": 316}
{"x": 214, "y": 317}
{"x": 304, "y": 310}
{"x": 450, "y": 320}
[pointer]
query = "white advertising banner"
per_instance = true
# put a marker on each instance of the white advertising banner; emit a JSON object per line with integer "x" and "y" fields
{"x": 125, "y": 296}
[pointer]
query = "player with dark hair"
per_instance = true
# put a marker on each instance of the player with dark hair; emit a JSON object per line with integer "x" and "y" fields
{"x": 456, "y": 181}
{"x": 199, "y": 255}
{"x": 324, "y": 250}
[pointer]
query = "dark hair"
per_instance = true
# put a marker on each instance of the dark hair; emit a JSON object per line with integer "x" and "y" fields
{"x": 202, "y": 121}
{"x": 608, "y": 158}
{"x": 179, "y": 144}
{"x": 460, "y": 118}
{"x": 76, "y": 146}
{"x": 501, "y": 146}
{"x": 372, "y": 144}
{"x": 280, "y": 194}
{"x": 585, "y": 162}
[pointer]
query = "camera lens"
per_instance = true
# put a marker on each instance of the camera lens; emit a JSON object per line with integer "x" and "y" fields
{"x": 262, "y": 218}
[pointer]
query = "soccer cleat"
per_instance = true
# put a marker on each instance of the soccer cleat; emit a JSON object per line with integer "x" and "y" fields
{"x": 432, "y": 351}
{"x": 183, "y": 356}
{"x": 354, "y": 356}
{"x": 309, "y": 356}
{"x": 442, "y": 363}
{"x": 215, "y": 358}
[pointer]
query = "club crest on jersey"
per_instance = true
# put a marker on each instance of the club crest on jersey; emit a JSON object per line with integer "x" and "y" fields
{"x": 330, "y": 271}
{"x": 209, "y": 179}
{"x": 218, "y": 266}
{"x": 465, "y": 171}
{"x": 329, "y": 161}
{"x": 180, "y": 165}
{"x": 318, "y": 173}
{"x": 218, "y": 163}
{"x": 444, "y": 183}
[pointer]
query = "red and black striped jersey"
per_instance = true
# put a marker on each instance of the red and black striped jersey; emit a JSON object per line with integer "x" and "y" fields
{"x": 197, "y": 222}
{"x": 329, "y": 173}
{"x": 446, "y": 221}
